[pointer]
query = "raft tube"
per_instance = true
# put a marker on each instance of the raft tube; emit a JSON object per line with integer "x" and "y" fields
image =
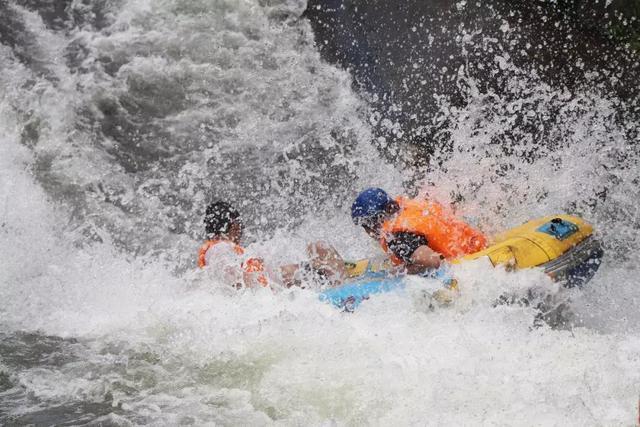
{"x": 351, "y": 294}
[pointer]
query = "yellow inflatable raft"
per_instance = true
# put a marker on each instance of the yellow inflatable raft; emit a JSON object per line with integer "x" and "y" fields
{"x": 563, "y": 245}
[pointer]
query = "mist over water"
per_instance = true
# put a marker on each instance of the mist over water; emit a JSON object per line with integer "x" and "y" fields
{"x": 120, "y": 120}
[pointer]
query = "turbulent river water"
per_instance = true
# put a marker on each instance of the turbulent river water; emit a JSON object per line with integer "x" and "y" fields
{"x": 120, "y": 119}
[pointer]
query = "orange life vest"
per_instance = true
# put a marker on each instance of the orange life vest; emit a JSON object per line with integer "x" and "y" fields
{"x": 251, "y": 265}
{"x": 445, "y": 234}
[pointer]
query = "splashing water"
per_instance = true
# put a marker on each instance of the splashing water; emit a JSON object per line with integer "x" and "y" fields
{"x": 119, "y": 120}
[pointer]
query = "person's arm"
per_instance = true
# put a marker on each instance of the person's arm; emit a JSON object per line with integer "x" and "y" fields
{"x": 288, "y": 275}
{"x": 423, "y": 258}
{"x": 325, "y": 264}
{"x": 326, "y": 260}
{"x": 414, "y": 251}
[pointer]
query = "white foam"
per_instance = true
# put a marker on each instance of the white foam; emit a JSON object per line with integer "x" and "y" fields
{"x": 173, "y": 348}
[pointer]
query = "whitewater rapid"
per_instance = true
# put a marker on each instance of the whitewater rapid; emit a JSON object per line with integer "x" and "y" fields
{"x": 120, "y": 124}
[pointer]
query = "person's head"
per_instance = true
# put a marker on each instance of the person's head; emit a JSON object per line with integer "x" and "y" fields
{"x": 221, "y": 220}
{"x": 371, "y": 208}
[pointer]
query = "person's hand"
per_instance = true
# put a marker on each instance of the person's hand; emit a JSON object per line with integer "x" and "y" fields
{"x": 424, "y": 258}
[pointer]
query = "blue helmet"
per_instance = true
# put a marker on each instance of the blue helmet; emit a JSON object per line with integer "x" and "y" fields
{"x": 370, "y": 203}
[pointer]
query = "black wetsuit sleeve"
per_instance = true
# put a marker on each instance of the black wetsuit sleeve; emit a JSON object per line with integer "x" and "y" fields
{"x": 404, "y": 244}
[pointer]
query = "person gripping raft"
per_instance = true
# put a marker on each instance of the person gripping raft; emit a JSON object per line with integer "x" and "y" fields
{"x": 416, "y": 233}
{"x": 222, "y": 253}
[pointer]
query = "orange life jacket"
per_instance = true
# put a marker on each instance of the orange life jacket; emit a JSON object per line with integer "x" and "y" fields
{"x": 202, "y": 253}
{"x": 251, "y": 265}
{"x": 445, "y": 234}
